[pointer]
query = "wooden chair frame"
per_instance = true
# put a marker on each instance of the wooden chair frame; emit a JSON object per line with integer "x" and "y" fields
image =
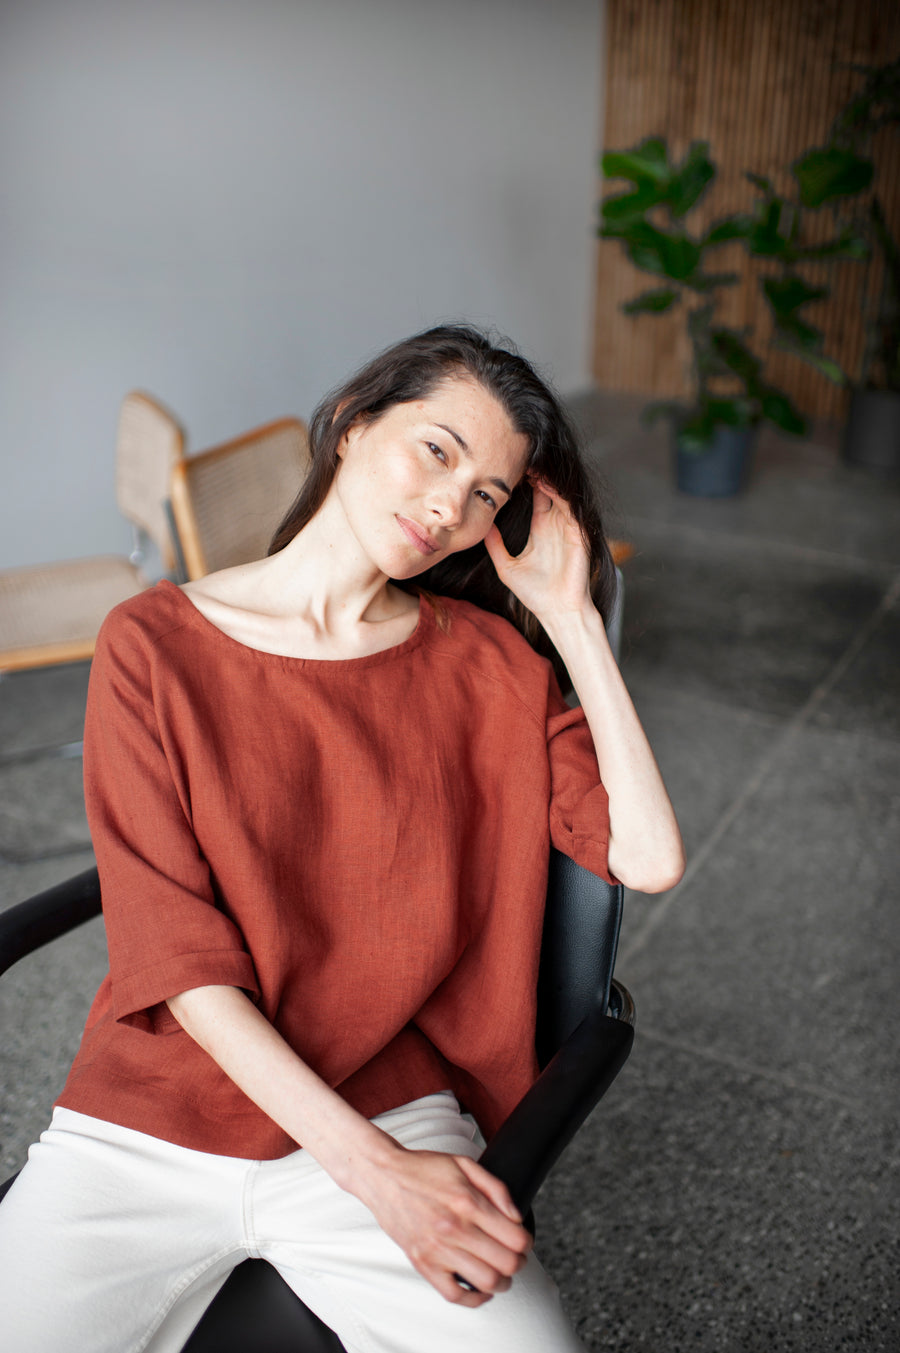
{"x": 183, "y": 513}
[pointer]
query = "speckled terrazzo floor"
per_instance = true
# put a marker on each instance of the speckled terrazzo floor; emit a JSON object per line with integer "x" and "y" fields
{"x": 738, "y": 1189}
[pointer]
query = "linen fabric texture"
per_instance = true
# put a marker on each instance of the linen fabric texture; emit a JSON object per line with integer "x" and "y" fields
{"x": 361, "y": 845}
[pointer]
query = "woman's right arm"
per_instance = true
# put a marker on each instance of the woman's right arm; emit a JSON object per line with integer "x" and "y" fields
{"x": 445, "y": 1212}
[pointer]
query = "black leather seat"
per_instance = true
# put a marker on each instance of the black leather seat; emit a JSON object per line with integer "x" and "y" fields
{"x": 584, "y": 1037}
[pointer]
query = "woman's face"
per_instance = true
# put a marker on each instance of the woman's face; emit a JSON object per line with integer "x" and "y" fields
{"x": 427, "y": 478}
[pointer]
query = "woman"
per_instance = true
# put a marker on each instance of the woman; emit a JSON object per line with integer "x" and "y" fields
{"x": 322, "y": 789}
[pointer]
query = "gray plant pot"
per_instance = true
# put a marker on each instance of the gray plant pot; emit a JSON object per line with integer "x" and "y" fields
{"x": 719, "y": 472}
{"x": 872, "y": 434}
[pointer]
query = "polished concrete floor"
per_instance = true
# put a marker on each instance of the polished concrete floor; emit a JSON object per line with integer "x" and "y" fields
{"x": 738, "y": 1188}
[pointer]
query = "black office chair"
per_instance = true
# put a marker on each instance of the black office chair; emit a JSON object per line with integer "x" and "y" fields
{"x": 585, "y": 1032}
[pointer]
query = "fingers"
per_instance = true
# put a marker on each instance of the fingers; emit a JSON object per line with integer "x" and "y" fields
{"x": 493, "y": 1188}
{"x": 487, "y": 1232}
{"x": 546, "y": 497}
{"x": 493, "y": 543}
{"x": 466, "y": 1266}
{"x": 456, "y": 1219}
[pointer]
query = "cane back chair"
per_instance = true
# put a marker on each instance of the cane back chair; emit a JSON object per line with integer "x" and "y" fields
{"x": 228, "y": 500}
{"x": 51, "y": 613}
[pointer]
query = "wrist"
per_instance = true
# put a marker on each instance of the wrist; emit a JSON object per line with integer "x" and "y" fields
{"x": 572, "y": 629}
{"x": 368, "y": 1160}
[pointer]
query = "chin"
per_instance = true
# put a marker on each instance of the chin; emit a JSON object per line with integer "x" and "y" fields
{"x": 409, "y": 572}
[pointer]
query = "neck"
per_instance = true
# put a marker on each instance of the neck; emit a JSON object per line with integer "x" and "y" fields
{"x": 325, "y": 577}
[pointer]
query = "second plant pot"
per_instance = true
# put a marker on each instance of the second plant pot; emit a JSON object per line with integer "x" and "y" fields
{"x": 719, "y": 472}
{"x": 872, "y": 435}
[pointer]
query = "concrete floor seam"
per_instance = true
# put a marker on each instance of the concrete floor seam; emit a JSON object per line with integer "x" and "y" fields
{"x": 763, "y": 769}
{"x": 738, "y": 1064}
{"x": 751, "y": 544}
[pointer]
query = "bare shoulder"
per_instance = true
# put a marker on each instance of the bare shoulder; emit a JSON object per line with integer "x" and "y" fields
{"x": 230, "y": 586}
{"x": 234, "y": 601}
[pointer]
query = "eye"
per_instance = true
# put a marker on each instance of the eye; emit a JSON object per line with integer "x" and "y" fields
{"x": 437, "y": 452}
{"x": 486, "y": 498}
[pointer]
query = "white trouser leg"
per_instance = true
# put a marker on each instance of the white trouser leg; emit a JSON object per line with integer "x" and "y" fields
{"x": 360, "y": 1282}
{"x": 115, "y": 1242}
{"x": 109, "y": 1236}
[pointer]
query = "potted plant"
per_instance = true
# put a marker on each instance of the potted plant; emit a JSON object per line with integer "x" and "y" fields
{"x": 835, "y": 174}
{"x": 730, "y": 395}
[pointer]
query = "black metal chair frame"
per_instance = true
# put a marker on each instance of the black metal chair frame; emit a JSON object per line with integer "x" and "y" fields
{"x": 585, "y": 1032}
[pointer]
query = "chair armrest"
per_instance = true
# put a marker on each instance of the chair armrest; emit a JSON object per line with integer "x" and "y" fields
{"x": 526, "y": 1147}
{"x": 40, "y": 919}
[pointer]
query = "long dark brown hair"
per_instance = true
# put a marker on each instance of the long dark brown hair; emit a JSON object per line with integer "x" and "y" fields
{"x": 412, "y": 370}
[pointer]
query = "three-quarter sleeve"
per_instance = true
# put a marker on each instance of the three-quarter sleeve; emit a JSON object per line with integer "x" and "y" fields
{"x": 579, "y": 804}
{"x": 165, "y": 931}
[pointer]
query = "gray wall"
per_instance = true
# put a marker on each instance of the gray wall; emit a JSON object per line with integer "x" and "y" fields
{"x": 231, "y": 203}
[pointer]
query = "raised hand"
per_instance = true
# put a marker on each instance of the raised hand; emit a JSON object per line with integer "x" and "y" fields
{"x": 552, "y": 573}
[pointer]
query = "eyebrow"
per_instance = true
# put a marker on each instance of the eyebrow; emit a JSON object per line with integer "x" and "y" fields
{"x": 466, "y": 450}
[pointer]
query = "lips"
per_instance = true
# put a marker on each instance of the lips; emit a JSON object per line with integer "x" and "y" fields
{"x": 417, "y": 536}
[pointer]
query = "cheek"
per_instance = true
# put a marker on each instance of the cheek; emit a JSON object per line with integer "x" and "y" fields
{"x": 474, "y": 531}
{"x": 397, "y": 471}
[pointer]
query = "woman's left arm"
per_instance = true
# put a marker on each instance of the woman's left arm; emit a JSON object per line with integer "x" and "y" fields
{"x": 551, "y": 577}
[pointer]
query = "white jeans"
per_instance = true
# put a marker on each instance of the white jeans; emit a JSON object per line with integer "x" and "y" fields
{"x": 115, "y": 1242}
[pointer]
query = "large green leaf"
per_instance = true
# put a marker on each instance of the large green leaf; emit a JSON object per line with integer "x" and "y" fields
{"x": 709, "y": 363}
{"x": 624, "y": 207}
{"x": 696, "y": 428}
{"x": 645, "y": 163}
{"x": 648, "y": 260}
{"x": 831, "y": 172}
{"x": 708, "y": 281}
{"x": 651, "y": 302}
{"x": 846, "y": 245}
{"x": 690, "y": 180}
{"x": 766, "y": 238}
{"x": 794, "y": 333}
{"x": 736, "y": 227}
{"x": 631, "y": 230}
{"x": 735, "y": 413}
{"x": 787, "y": 294}
{"x": 670, "y": 255}
{"x": 763, "y": 184}
{"x": 827, "y": 365}
{"x": 780, "y": 411}
{"x": 680, "y": 256}
{"x": 656, "y": 179}
{"x": 736, "y": 356}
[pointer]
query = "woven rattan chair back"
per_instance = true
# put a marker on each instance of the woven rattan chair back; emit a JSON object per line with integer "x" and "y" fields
{"x": 148, "y": 445}
{"x": 227, "y": 501}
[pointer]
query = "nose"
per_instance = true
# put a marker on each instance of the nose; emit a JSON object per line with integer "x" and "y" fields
{"x": 448, "y": 504}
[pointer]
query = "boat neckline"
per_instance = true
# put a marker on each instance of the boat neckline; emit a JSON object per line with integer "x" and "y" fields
{"x": 423, "y": 625}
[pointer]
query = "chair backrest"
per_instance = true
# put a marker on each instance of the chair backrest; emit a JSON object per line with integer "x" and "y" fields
{"x": 578, "y": 950}
{"x": 227, "y": 501}
{"x": 150, "y": 442}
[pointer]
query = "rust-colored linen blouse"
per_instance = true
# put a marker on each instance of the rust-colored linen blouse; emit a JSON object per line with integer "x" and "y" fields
{"x": 360, "y": 845}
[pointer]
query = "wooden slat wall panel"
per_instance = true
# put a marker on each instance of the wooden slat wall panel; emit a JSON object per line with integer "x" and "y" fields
{"x": 761, "y": 80}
